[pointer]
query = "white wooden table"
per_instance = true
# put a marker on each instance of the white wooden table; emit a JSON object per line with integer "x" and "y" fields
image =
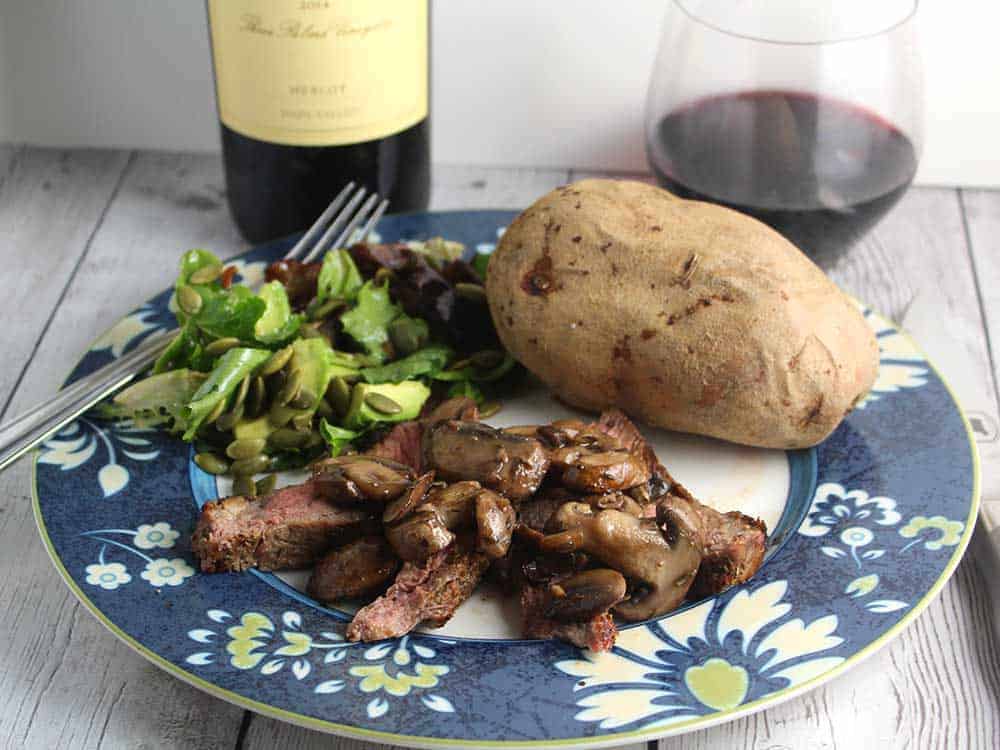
{"x": 85, "y": 236}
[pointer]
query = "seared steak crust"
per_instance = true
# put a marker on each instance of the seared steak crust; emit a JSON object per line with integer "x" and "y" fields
{"x": 427, "y": 592}
{"x": 598, "y": 633}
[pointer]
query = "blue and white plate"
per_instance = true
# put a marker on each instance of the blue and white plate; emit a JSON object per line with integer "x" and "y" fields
{"x": 866, "y": 529}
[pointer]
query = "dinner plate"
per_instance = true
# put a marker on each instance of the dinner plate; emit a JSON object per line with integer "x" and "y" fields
{"x": 865, "y": 530}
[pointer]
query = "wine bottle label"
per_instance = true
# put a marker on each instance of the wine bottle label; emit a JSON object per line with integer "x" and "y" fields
{"x": 320, "y": 72}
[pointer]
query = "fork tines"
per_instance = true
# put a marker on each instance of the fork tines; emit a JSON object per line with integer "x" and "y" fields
{"x": 337, "y": 223}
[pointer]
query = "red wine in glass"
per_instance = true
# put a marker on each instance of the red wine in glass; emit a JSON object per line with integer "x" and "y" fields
{"x": 820, "y": 171}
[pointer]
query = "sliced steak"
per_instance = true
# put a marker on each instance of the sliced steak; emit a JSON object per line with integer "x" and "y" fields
{"x": 360, "y": 568}
{"x": 402, "y": 444}
{"x": 429, "y": 592}
{"x": 290, "y": 528}
{"x": 733, "y": 544}
{"x": 513, "y": 465}
{"x": 597, "y": 633}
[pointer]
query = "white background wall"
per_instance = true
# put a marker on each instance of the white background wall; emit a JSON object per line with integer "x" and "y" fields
{"x": 516, "y": 82}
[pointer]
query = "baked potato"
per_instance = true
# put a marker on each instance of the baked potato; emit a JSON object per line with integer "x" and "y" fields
{"x": 684, "y": 314}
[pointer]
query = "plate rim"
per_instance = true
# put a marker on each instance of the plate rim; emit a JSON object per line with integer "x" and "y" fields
{"x": 601, "y": 741}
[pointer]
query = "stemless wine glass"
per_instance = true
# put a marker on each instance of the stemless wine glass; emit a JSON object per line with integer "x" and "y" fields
{"x": 807, "y": 116}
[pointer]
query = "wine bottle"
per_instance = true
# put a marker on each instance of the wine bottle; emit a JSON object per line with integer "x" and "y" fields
{"x": 315, "y": 93}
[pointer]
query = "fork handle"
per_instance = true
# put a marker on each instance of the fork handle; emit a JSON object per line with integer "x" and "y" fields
{"x": 20, "y": 435}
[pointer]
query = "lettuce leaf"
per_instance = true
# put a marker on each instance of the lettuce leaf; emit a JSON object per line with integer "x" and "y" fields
{"x": 424, "y": 362}
{"x": 338, "y": 278}
{"x": 367, "y": 323}
{"x": 158, "y": 399}
{"x": 336, "y": 437}
{"x": 231, "y": 368}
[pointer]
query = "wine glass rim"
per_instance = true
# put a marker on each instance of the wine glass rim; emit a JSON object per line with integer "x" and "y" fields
{"x": 682, "y": 4}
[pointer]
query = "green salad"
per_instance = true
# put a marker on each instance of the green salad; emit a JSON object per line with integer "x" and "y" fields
{"x": 320, "y": 364}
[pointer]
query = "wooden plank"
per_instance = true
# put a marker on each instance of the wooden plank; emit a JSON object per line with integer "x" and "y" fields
{"x": 50, "y": 202}
{"x": 982, "y": 214}
{"x": 456, "y": 187}
{"x": 64, "y": 680}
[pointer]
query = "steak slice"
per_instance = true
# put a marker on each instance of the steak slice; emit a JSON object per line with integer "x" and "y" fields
{"x": 403, "y": 444}
{"x": 429, "y": 592}
{"x": 598, "y": 633}
{"x": 733, "y": 544}
{"x": 361, "y": 568}
{"x": 290, "y": 528}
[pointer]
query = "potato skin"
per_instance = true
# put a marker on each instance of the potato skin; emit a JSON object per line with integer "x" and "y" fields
{"x": 684, "y": 314}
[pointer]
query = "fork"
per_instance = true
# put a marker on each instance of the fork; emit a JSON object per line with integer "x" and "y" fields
{"x": 333, "y": 228}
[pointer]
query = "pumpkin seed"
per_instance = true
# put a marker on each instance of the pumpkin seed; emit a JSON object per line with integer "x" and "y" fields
{"x": 250, "y": 466}
{"x": 382, "y": 403}
{"x": 211, "y": 463}
{"x": 471, "y": 292}
{"x": 245, "y": 448}
{"x": 310, "y": 331}
{"x": 489, "y": 408}
{"x": 487, "y": 359}
{"x": 338, "y": 393}
{"x": 277, "y": 360}
{"x": 244, "y": 486}
{"x": 189, "y": 300}
{"x": 406, "y": 335}
{"x": 221, "y": 346}
{"x": 290, "y": 390}
{"x": 324, "y": 309}
{"x": 241, "y": 393}
{"x": 255, "y": 399}
{"x": 266, "y": 485}
{"x": 287, "y": 439}
{"x": 305, "y": 399}
{"x": 324, "y": 409}
{"x": 279, "y": 415}
{"x": 216, "y": 412}
{"x": 302, "y": 423}
{"x": 228, "y": 421}
{"x": 206, "y": 274}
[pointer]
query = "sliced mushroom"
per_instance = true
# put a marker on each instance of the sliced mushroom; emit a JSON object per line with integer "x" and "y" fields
{"x": 455, "y": 504}
{"x": 584, "y": 595}
{"x": 428, "y": 527}
{"x": 513, "y": 465}
{"x": 419, "y": 535}
{"x": 659, "y": 571}
{"x": 614, "y": 501}
{"x": 403, "y": 505}
{"x": 555, "y": 435}
{"x": 460, "y": 407}
{"x": 590, "y": 469}
{"x": 362, "y": 478}
{"x": 495, "y": 519}
{"x": 358, "y": 569}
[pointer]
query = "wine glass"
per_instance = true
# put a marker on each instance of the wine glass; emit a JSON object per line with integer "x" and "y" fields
{"x": 807, "y": 116}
